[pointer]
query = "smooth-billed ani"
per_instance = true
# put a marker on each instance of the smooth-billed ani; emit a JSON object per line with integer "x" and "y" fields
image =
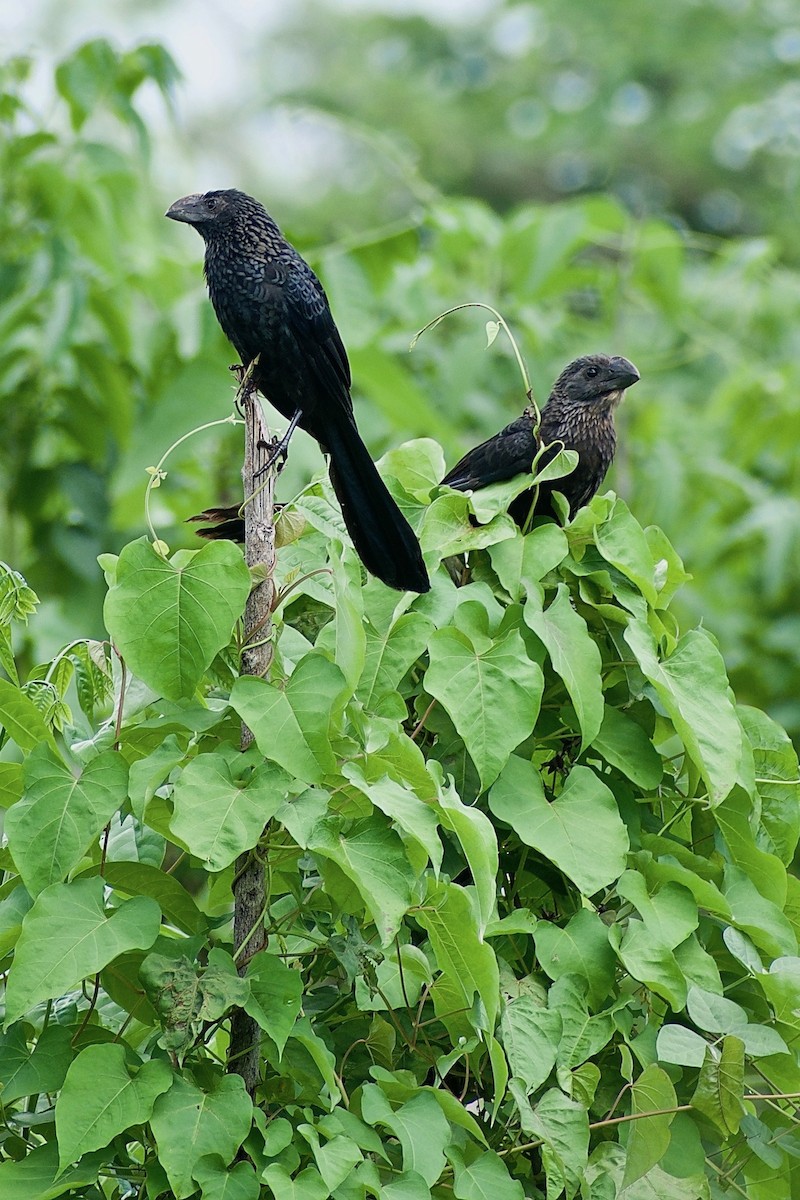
{"x": 578, "y": 415}
{"x": 271, "y": 305}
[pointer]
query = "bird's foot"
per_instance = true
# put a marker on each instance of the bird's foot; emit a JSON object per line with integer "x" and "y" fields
{"x": 280, "y": 448}
{"x": 278, "y": 455}
{"x": 237, "y": 370}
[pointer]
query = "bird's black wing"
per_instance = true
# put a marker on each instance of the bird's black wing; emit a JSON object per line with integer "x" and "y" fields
{"x": 315, "y": 330}
{"x": 510, "y": 452}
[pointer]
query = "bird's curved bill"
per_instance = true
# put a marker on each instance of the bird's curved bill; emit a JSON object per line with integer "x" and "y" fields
{"x": 623, "y": 373}
{"x": 184, "y": 209}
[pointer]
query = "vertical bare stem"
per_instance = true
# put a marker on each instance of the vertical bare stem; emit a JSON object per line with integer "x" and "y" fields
{"x": 249, "y": 886}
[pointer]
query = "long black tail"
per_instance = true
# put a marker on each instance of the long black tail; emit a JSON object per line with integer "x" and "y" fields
{"x": 383, "y": 538}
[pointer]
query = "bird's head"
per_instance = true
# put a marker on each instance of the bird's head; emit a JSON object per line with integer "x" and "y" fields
{"x": 209, "y": 212}
{"x": 597, "y": 380}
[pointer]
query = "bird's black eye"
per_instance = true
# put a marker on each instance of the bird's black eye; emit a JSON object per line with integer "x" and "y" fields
{"x": 211, "y": 202}
{"x": 591, "y": 372}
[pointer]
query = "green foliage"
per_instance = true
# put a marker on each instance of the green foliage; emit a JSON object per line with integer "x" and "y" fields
{"x": 87, "y": 354}
{"x": 109, "y": 354}
{"x": 531, "y": 923}
{"x": 169, "y": 619}
{"x": 517, "y": 101}
{"x": 528, "y": 921}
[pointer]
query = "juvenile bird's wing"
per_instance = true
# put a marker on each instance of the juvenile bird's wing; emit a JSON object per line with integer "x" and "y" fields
{"x": 510, "y": 452}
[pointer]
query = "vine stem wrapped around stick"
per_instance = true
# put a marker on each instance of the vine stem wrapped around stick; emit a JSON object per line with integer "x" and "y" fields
{"x": 249, "y": 885}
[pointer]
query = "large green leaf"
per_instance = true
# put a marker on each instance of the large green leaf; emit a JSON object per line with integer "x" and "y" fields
{"x": 677, "y": 1044}
{"x": 11, "y": 784}
{"x": 417, "y": 465}
{"x": 217, "y": 815}
{"x": 168, "y": 619}
{"x": 581, "y": 948}
{"x": 531, "y": 1037}
{"x": 419, "y": 1125}
{"x": 12, "y": 910}
{"x": 751, "y": 912}
{"x": 38, "y": 1176}
{"x": 720, "y": 1088}
{"x": 574, "y": 655}
{"x": 468, "y": 963}
{"x": 563, "y": 1126}
{"x": 142, "y": 879}
{"x": 622, "y": 542}
{"x": 67, "y": 937}
{"x": 189, "y": 1122}
{"x": 448, "y": 527}
{"x": 102, "y": 1097}
{"x": 490, "y": 689}
{"x": 321, "y": 1056}
{"x": 372, "y": 856}
{"x": 478, "y": 840}
{"x": 648, "y": 958}
{"x": 626, "y": 746}
{"x": 649, "y": 1136}
{"x": 670, "y": 913}
{"x": 24, "y": 1072}
{"x": 734, "y": 818}
{"x": 52, "y": 826}
{"x": 268, "y": 712}
{"x": 484, "y": 1177}
{"x": 693, "y": 687}
{"x": 781, "y": 986}
{"x": 390, "y": 653}
{"x": 218, "y": 1181}
{"x": 21, "y": 719}
{"x": 306, "y": 1185}
{"x": 583, "y": 1033}
{"x": 668, "y": 869}
{"x": 775, "y": 762}
{"x": 149, "y": 773}
{"x": 350, "y": 640}
{"x": 715, "y": 1014}
{"x": 522, "y": 561}
{"x": 275, "y": 996}
{"x": 768, "y": 1180}
{"x": 580, "y": 831}
{"x": 335, "y": 1159}
{"x": 417, "y": 820}
{"x": 317, "y": 692}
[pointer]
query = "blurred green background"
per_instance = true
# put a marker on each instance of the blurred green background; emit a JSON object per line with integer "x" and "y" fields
{"x": 618, "y": 176}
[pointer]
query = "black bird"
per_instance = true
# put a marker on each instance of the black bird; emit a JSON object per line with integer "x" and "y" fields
{"x": 578, "y": 415}
{"x": 270, "y": 304}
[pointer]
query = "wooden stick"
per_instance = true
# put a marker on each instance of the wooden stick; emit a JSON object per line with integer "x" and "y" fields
{"x": 249, "y": 885}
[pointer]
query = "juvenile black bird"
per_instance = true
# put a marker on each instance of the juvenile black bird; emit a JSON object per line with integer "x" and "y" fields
{"x": 270, "y": 303}
{"x": 578, "y": 415}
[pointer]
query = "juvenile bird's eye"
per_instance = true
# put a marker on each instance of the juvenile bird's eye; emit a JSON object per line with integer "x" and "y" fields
{"x": 591, "y": 372}
{"x": 211, "y": 202}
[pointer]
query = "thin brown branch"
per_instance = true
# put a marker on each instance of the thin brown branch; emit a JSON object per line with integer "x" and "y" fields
{"x": 121, "y": 702}
{"x": 249, "y": 888}
{"x": 421, "y": 723}
{"x": 656, "y": 1112}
